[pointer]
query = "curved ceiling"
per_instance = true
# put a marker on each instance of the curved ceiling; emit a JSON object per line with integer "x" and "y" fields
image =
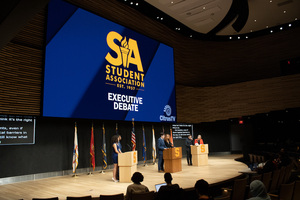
{"x": 216, "y": 17}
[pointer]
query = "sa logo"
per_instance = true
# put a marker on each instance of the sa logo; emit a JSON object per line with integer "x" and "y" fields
{"x": 134, "y": 157}
{"x": 177, "y": 152}
{"x": 202, "y": 148}
{"x": 127, "y": 53}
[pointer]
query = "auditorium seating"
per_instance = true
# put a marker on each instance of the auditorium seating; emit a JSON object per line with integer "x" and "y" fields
{"x": 266, "y": 179}
{"x": 285, "y": 192}
{"x": 143, "y": 196}
{"x": 296, "y": 193}
{"x": 112, "y": 197}
{"x": 80, "y": 198}
{"x": 274, "y": 180}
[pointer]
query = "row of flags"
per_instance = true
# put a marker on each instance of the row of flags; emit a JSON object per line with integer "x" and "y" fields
{"x": 103, "y": 149}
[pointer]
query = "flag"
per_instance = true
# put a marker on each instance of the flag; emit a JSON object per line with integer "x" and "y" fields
{"x": 171, "y": 135}
{"x": 104, "y": 149}
{"x": 153, "y": 146}
{"x": 92, "y": 149}
{"x": 75, "y": 151}
{"x": 133, "y": 136}
{"x": 144, "y": 146}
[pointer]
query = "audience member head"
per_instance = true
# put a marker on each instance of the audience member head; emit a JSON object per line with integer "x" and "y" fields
{"x": 201, "y": 187}
{"x": 199, "y": 137}
{"x": 115, "y": 139}
{"x": 258, "y": 189}
{"x": 162, "y": 135}
{"x": 190, "y": 137}
{"x": 137, "y": 178}
{"x": 168, "y": 178}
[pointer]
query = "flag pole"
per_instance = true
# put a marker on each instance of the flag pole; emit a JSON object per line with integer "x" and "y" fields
{"x": 144, "y": 147}
{"x": 75, "y": 153}
{"x": 91, "y": 156}
{"x": 153, "y": 146}
{"x": 104, "y": 164}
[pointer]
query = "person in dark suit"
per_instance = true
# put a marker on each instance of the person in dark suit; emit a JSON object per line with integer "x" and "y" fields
{"x": 161, "y": 146}
{"x": 188, "y": 144}
{"x": 168, "y": 143}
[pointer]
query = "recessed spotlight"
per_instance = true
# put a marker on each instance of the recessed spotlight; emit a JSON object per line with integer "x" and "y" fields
{"x": 246, "y": 37}
{"x": 157, "y": 17}
{"x": 281, "y": 28}
{"x": 161, "y": 18}
{"x": 267, "y": 26}
{"x": 271, "y": 1}
{"x": 137, "y": 4}
{"x": 290, "y": 25}
{"x": 271, "y": 31}
{"x": 238, "y": 37}
{"x": 203, "y": 7}
{"x": 172, "y": 2}
{"x": 284, "y": 11}
{"x": 251, "y": 31}
{"x": 191, "y": 35}
{"x": 131, "y": 3}
{"x": 255, "y": 20}
{"x": 296, "y": 18}
{"x": 230, "y": 38}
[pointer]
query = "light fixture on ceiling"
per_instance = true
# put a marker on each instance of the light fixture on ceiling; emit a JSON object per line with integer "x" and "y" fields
{"x": 281, "y": 28}
{"x": 251, "y": 30}
{"x": 191, "y": 35}
{"x": 290, "y": 25}
{"x": 239, "y": 38}
{"x": 137, "y": 4}
{"x": 267, "y": 26}
{"x": 271, "y": 1}
{"x": 230, "y": 38}
{"x": 172, "y": 2}
{"x": 161, "y": 18}
{"x": 157, "y": 17}
{"x": 131, "y": 3}
{"x": 271, "y": 31}
{"x": 203, "y": 7}
{"x": 296, "y": 18}
{"x": 246, "y": 37}
{"x": 255, "y": 20}
{"x": 284, "y": 11}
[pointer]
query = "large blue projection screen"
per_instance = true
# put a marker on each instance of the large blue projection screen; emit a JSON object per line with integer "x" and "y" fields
{"x": 97, "y": 69}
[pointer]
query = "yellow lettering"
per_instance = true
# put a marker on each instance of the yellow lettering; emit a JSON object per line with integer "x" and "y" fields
{"x": 107, "y": 69}
{"x": 136, "y": 60}
{"x": 134, "y": 157}
{"x": 111, "y": 36}
{"x": 176, "y": 152}
{"x": 202, "y": 148}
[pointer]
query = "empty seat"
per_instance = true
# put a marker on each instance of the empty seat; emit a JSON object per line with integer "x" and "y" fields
{"x": 281, "y": 176}
{"x": 285, "y": 192}
{"x": 266, "y": 179}
{"x": 112, "y": 197}
{"x": 274, "y": 180}
{"x": 239, "y": 189}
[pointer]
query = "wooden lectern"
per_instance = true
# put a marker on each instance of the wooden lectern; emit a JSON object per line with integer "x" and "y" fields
{"x": 172, "y": 158}
{"x": 127, "y": 165}
{"x": 199, "y": 154}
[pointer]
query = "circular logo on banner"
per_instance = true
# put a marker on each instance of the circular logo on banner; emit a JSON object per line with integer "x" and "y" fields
{"x": 168, "y": 110}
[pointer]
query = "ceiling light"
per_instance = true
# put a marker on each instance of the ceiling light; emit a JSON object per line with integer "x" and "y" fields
{"x": 172, "y": 2}
{"x": 267, "y": 26}
{"x": 296, "y": 18}
{"x": 251, "y": 31}
{"x": 246, "y": 37}
{"x": 271, "y": 1}
{"x": 203, "y": 7}
{"x": 290, "y": 25}
{"x": 131, "y": 3}
{"x": 161, "y": 18}
{"x": 281, "y": 28}
{"x": 255, "y": 20}
{"x": 284, "y": 11}
{"x": 157, "y": 17}
{"x": 271, "y": 31}
{"x": 137, "y": 4}
{"x": 230, "y": 38}
{"x": 238, "y": 37}
{"x": 191, "y": 35}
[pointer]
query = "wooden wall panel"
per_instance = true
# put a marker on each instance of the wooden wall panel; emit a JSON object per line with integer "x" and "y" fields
{"x": 204, "y": 104}
{"x": 21, "y": 64}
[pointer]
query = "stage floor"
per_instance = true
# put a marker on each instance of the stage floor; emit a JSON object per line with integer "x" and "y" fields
{"x": 219, "y": 168}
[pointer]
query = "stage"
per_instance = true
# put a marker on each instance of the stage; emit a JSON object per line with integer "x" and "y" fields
{"x": 219, "y": 168}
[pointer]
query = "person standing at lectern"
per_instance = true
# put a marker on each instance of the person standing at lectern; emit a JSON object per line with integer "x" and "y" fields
{"x": 161, "y": 146}
{"x": 116, "y": 151}
{"x": 168, "y": 143}
{"x": 188, "y": 144}
{"x": 199, "y": 140}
